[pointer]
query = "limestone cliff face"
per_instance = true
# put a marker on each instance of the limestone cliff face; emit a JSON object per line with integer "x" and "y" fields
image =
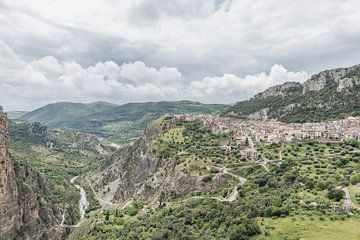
{"x": 343, "y": 78}
{"x": 330, "y": 94}
{"x": 279, "y": 90}
{"x": 135, "y": 172}
{"x": 25, "y": 213}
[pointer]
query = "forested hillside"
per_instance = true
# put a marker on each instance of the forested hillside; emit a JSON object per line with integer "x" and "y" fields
{"x": 116, "y": 123}
{"x": 331, "y": 94}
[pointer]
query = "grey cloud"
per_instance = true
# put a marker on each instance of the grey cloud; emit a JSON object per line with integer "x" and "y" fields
{"x": 201, "y": 39}
{"x": 30, "y": 84}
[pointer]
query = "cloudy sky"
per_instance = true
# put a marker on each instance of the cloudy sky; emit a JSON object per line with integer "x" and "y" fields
{"x": 148, "y": 50}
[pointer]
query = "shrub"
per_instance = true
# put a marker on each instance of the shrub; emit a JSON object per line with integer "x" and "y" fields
{"x": 355, "y": 179}
{"x": 335, "y": 194}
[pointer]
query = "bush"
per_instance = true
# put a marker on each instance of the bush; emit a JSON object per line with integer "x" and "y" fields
{"x": 355, "y": 179}
{"x": 335, "y": 194}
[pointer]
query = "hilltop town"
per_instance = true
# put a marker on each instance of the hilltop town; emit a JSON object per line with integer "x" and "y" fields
{"x": 274, "y": 131}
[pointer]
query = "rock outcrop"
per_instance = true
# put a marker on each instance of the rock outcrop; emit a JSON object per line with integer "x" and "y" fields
{"x": 279, "y": 90}
{"x": 136, "y": 172}
{"x": 342, "y": 77}
{"x": 327, "y": 95}
{"x": 26, "y": 211}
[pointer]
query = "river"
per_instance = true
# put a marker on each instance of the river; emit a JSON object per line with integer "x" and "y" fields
{"x": 83, "y": 203}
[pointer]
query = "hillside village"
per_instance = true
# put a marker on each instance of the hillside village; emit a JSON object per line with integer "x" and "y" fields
{"x": 274, "y": 131}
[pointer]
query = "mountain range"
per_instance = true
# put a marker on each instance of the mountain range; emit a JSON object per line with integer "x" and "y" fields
{"x": 116, "y": 123}
{"x": 188, "y": 170}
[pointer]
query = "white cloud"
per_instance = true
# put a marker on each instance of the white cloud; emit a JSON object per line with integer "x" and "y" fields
{"x": 46, "y": 80}
{"x": 198, "y": 37}
{"x": 140, "y": 73}
{"x": 230, "y": 87}
{"x": 48, "y": 65}
{"x": 85, "y": 50}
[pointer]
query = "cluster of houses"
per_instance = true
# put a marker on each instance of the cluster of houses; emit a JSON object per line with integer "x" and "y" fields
{"x": 274, "y": 131}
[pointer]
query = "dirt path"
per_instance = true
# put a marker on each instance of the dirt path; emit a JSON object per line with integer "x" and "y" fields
{"x": 241, "y": 179}
{"x": 104, "y": 203}
{"x": 348, "y": 203}
{"x": 233, "y": 195}
{"x": 265, "y": 161}
{"x": 62, "y": 225}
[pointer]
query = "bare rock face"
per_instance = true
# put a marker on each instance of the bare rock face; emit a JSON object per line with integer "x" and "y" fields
{"x": 278, "y": 90}
{"x": 135, "y": 172}
{"x": 24, "y": 213}
{"x": 340, "y": 76}
{"x": 262, "y": 115}
{"x": 316, "y": 83}
{"x": 344, "y": 84}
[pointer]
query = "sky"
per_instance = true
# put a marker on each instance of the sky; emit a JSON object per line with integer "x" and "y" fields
{"x": 213, "y": 51}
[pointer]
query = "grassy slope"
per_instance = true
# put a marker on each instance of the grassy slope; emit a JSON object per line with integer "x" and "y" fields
{"x": 354, "y": 191}
{"x": 304, "y": 228}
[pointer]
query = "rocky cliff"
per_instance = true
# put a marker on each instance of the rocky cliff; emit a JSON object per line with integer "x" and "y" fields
{"x": 137, "y": 172}
{"x": 330, "y": 94}
{"x": 280, "y": 90}
{"x": 343, "y": 78}
{"x": 25, "y": 211}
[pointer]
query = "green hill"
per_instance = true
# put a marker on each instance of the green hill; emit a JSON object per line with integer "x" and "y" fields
{"x": 116, "y": 123}
{"x": 331, "y": 94}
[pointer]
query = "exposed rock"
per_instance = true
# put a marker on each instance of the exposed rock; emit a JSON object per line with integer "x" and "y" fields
{"x": 315, "y": 83}
{"x": 330, "y": 94}
{"x": 344, "y": 84}
{"x": 339, "y": 76}
{"x": 25, "y": 213}
{"x": 260, "y": 115}
{"x": 136, "y": 172}
{"x": 278, "y": 90}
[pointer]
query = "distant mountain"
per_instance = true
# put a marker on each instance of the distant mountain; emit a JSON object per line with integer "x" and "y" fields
{"x": 66, "y": 114}
{"x": 331, "y": 94}
{"x": 116, "y": 123}
{"x": 15, "y": 114}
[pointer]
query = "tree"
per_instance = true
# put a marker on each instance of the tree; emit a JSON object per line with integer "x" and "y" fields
{"x": 335, "y": 194}
{"x": 107, "y": 216}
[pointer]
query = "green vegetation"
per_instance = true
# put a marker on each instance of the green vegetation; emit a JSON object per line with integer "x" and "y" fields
{"x": 305, "y": 227}
{"x": 309, "y": 107}
{"x": 58, "y": 156}
{"x": 297, "y": 197}
{"x": 192, "y": 219}
{"x": 196, "y": 148}
{"x": 116, "y": 123}
{"x": 355, "y": 194}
